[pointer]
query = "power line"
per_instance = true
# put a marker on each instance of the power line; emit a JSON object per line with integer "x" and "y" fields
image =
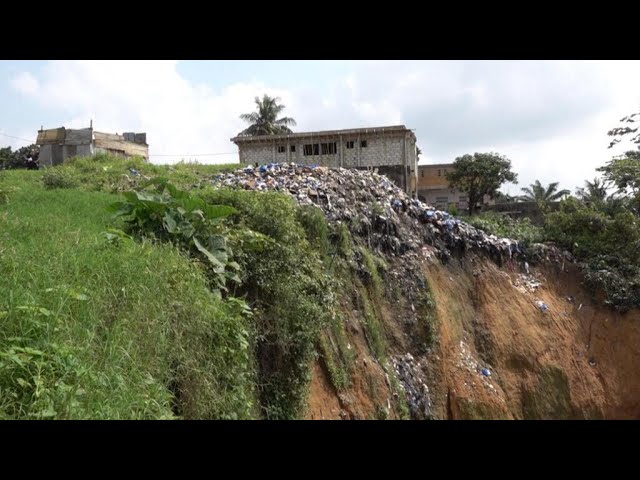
{"x": 193, "y": 154}
{"x": 18, "y": 138}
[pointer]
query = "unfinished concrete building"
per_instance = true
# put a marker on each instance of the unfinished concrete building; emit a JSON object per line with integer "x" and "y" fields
{"x": 58, "y": 144}
{"x": 434, "y": 189}
{"x": 390, "y": 150}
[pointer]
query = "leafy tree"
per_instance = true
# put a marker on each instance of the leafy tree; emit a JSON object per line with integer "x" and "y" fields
{"x": 6, "y": 156}
{"x": 623, "y": 172}
{"x": 18, "y": 159}
{"x": 480, "y": 174}
{"x": 620, "y": 132}
{"x": 265, "y": 121}
{"x": 536, "y": 192}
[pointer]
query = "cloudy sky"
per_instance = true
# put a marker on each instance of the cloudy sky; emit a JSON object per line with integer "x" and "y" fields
{"x": 549, "y": 117}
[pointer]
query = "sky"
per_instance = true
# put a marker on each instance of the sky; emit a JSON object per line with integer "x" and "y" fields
{"x": 550, "y": 118}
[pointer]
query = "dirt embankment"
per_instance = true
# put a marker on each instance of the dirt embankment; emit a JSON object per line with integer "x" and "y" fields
{"x": 497, "y": 354}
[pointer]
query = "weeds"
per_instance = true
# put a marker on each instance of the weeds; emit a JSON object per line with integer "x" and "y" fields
{"x": 59, "y": 177}
{"x": 169, "y": 214}
{"x": 92, "y": 329}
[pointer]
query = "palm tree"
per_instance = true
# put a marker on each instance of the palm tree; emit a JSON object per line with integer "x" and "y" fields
{"x": 265, "y": 121}
{"x": 541, "y": 195}
{"x": 593, "y": 192}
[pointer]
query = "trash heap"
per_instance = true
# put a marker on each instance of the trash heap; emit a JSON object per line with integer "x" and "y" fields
{"x": 479, "y": 375}
{"x": 410, "y": 372}
{"x": 373, "y": 207}
{"x": 526, "y": 283}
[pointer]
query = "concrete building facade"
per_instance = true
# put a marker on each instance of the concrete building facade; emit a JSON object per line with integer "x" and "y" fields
{"x": 391, "y": 150}
{"x": 58, "y": 144}
{"x": 434, "y": 189}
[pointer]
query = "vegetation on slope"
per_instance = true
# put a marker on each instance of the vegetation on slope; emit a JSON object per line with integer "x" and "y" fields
{"x": 95, "y": 329}
{"x": 135, "y": 304}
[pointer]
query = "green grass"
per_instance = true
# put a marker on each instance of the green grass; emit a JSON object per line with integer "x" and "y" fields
{"x": 105, "y": 326}
{"x": 109, "y": 174}
{"x": 90, "y": 329}
{"x": 287, "y": 284}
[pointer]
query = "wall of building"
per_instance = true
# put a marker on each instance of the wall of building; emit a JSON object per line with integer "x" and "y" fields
{"x": 442, "y": 198}
{"x": 116, "y": 144}
{"x": 433, "y": 175}
{"x": 45, "y": 156}
{"x": 529, "y": 210}
{"x": 58, "y": 144}
{"x": 382, "y": 150}
{"x": 433, "y": 188}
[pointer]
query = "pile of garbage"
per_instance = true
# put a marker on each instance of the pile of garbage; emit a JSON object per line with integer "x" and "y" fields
{"x": 526, "y": 283}
{"x": 410, "y": 373}
{"x": 481, "y": 374}
{"x": 373, "y": 207}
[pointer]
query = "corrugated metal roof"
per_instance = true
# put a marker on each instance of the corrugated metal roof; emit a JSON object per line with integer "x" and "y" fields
{"x": 53, "y": 135}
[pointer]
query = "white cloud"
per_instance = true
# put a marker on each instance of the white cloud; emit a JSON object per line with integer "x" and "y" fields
{"x": 550, "y": 118}
{"x": 25, "y": 83}
{"x": 178, "y": 116}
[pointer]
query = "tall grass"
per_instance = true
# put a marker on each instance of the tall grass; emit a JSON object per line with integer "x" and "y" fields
{"x": 96, "y": 329}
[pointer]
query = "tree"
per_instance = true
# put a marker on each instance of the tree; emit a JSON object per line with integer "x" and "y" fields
{"x": 265, "y": 121}
{"x": 18, "y": 159}
{"x": 593, "y": 193}
{"x": 536, "y": 192}
{"x": 620, "y": 132}
{"x": 623, "y": 172}
{"x": 480, "y": 174}
{"x": 6, "y": 156}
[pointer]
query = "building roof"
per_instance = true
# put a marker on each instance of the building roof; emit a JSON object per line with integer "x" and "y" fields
{"x": 430, "y": 165}
{"x": 323, "y": 133}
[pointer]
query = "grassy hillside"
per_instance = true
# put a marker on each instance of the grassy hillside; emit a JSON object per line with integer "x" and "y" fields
{"x": 97, "y": 324}
{"x": 95, "y": 329}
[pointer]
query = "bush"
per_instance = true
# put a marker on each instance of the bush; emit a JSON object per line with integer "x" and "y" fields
{"x": 285, "y": 282}
{"x": 608, "y": 244}
{"x": 504, "y": 226}
{"x": 59, "y": 177}
{"x": 588, "y": 232}
{"x": 176, "y": 216}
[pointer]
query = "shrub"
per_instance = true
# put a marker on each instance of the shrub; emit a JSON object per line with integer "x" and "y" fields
{"x": 174, "y": 215}
{"x": 608, "y": 244}
{"x": 504, "y": 226}
{"x": 285, "y": 281}
{"x": 59, "y": 177}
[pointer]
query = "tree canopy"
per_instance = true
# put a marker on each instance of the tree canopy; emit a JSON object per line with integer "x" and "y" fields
{"x": 18, "y": 158}
{"x": 480, "y": 174}
{"x": 543, "y": 196}
{"x": 628, "y": 129}
{"x": 265, "y": 121}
